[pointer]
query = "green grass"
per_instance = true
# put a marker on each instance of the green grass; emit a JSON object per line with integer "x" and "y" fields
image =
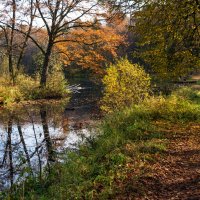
{"x": 189, "y": 94}
{"x": 111, "y": 165}
{"x": 198, "y": 82}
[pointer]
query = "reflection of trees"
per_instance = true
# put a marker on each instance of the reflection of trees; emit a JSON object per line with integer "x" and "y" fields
{"x": 11, "y": 147}
{"x": 47, "y": 137}
{"x": 16, "y": 157}
{"x": 24, "y": 145}
{"x": 8, "y": 152}
{"x": 36, "y": 142}
{"x": 25, "y": 152}
{"x": 10, "y": 122}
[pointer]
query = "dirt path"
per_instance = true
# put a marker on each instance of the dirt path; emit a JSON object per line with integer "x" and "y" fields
{"x": 176, "y": 175}
{"x": 196, "y": 77}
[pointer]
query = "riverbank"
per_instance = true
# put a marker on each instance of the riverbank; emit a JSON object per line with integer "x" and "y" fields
{"x": 132, "y": 146}
{"x": 28, "y": 88}
{"x": 32, "y": 132}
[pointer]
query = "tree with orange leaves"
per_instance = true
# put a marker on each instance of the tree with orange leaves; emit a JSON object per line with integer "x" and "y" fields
{"x": 92, "y": 49}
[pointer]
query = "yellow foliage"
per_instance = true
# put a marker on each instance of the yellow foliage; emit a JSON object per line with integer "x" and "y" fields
{"x": 169, "y": 47}
{"x": 125, "y": 84}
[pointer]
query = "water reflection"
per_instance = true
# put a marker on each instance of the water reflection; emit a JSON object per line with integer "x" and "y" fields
{"x": 32, "y": 137}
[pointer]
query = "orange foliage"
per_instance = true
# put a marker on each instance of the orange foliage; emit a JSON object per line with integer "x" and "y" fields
{"x": 92, "y": 49}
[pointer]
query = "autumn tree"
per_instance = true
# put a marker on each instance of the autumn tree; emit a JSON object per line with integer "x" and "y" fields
{"x": 93, "y": 48}
{"x": 59, "y": 17}
{"x": 167, "y": 34}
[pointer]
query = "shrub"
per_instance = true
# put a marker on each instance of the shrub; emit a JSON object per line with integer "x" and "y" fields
{"x": 173, "y": 108}
{"x": 28, "y": 85}
{"x": 56, "y": 87}
{"x": 28, "y": 88}
{"x": 10, "y": 94}
{"x": 125, "y": 84}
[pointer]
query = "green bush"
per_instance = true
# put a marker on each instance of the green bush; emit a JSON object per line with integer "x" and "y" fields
{"x": 125, "y": 84}
{"x": 56, "y": 86}
{"x": 30, "y": 87}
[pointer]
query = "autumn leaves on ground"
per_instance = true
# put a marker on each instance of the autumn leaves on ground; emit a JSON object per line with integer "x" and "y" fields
{"x": 176, "y": 173}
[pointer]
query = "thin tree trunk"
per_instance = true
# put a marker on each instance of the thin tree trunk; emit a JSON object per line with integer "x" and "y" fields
{"x": 32, "y": 14}
{"x": 10, "y": 50}
{"x": 44, "y": 74}
{"x": 11, "y": 70}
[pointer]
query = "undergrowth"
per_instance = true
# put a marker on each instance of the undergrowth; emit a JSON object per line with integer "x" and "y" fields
{"x": 28, "y": 88}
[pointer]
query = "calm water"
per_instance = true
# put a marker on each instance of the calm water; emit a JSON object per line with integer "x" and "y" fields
{"x": 34, "y": 136}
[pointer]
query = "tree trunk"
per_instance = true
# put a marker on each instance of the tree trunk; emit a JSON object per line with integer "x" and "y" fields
{"x": 11, "y": 70}
{"x": 44, "y": 74}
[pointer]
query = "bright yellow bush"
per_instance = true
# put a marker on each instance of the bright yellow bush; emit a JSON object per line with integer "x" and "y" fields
{"x": 10, "y": 94}
{"x": 125, "y": 84}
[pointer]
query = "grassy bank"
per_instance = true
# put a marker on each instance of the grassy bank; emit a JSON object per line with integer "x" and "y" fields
{"x": 114, "y": 164}
{"x": 28, "y": 88}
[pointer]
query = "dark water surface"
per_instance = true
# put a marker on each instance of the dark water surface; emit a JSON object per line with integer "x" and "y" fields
{"x": 34, "y": 136}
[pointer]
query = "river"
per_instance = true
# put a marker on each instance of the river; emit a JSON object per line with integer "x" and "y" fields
{"x": 32, "y": 136}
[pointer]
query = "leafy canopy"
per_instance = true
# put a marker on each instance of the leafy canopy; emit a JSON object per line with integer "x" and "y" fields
{"x": 168, "y": 36}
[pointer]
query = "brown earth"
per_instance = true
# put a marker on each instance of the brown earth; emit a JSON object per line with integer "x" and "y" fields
{"x": 176, "y": 175}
